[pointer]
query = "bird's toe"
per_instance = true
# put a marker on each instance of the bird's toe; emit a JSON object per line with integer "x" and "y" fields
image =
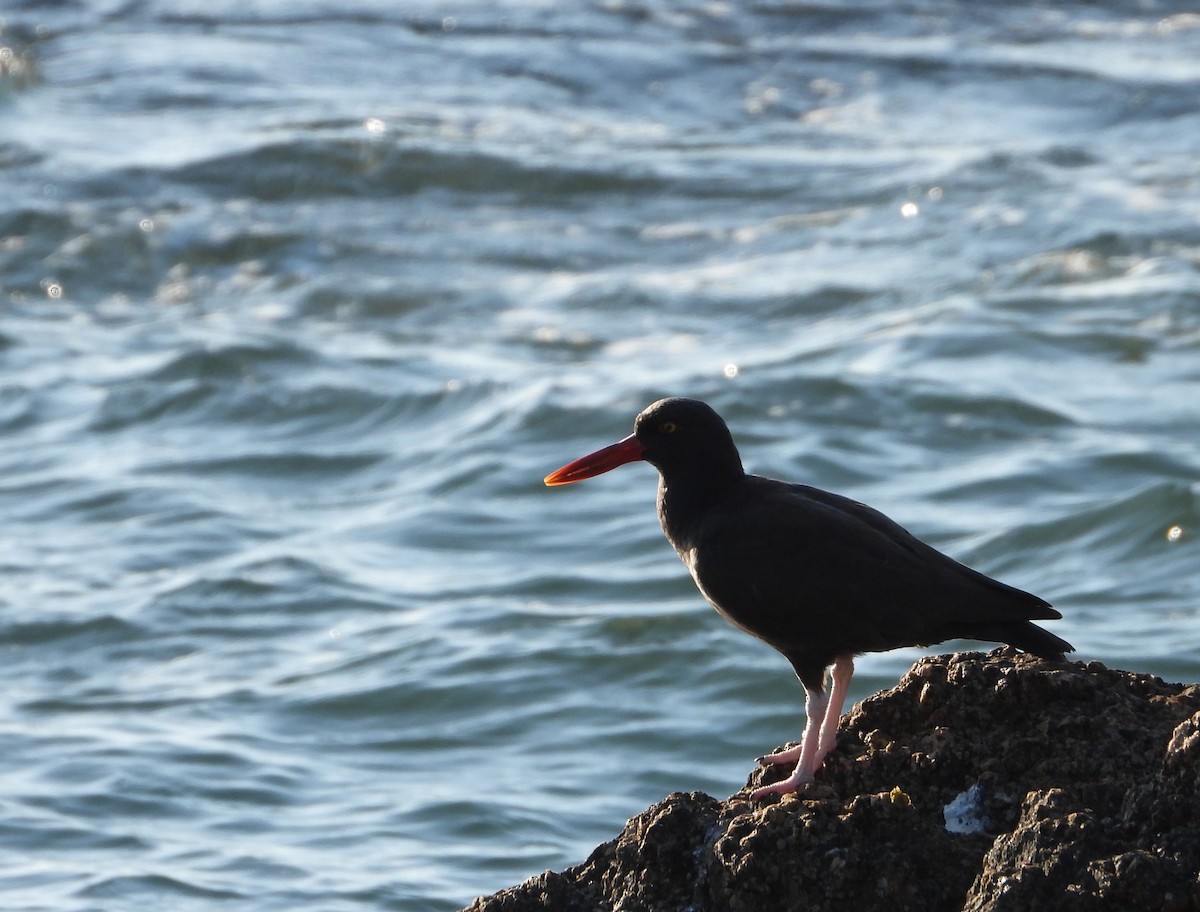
{"x": 786, "y": 787}
{"x": 784, "y": 755}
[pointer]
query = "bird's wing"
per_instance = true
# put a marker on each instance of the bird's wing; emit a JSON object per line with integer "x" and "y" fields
{"x": 786, "y": 561}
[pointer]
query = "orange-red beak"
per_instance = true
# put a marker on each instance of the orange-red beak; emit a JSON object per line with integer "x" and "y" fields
{"x": 628, "y": 450}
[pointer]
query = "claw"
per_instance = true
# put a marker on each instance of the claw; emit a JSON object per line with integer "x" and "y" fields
{"x": 788, "y": 755}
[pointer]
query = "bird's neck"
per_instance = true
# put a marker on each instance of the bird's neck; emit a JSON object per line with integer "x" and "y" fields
{"x": 684, "y": 499}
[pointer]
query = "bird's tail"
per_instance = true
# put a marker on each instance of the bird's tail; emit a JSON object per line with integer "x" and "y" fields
{"x": 1028, "y": 637}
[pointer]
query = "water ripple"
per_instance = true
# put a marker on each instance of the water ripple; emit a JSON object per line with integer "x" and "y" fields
{"x": 289, "y": 619}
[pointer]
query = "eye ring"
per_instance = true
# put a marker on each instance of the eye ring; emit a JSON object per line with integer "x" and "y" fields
{"x": 668, "y": 427}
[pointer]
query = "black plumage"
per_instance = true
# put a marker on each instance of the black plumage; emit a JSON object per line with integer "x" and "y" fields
{"x": 818, "y": 576}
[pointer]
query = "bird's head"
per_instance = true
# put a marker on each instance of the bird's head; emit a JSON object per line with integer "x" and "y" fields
{"x": 677, "y": 436}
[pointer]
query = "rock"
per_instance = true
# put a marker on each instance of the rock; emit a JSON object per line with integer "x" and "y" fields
{"x": 982, "y": 782}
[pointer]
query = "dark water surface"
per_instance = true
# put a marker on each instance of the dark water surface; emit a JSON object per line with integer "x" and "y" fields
{"x": 299, "y": 302}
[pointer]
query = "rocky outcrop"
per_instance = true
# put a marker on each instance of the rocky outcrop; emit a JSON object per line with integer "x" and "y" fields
{"x": 982, "y": 782}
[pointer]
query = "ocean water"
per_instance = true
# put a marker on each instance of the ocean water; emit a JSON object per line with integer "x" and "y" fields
{"x": 300, "y": 301}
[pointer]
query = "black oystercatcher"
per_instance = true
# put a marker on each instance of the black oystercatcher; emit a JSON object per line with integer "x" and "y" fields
{"x": 819, "y": 577}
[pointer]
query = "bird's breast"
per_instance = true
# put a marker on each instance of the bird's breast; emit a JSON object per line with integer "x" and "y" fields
{"x": 688, "y": 556}
{"x": 709, "y": 585}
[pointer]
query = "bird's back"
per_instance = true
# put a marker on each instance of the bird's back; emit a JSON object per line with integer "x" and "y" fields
{"x": 817, "y": 575}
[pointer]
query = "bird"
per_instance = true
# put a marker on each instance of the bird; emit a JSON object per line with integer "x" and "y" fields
{"x": 819, "y": 577}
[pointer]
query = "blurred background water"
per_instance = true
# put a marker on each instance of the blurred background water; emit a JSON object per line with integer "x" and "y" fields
{"x": 299, "y": 302}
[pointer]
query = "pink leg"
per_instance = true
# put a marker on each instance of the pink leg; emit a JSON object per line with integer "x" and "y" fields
{"x": 815, "y": 704}
{"x": 843, "y": 671}
{"x": 814, "y": 709}
{"x": 820, "y": 733}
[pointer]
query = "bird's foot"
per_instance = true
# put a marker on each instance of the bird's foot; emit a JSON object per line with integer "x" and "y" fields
{"x": 786, "y": 787}
{"x": 787, "y": 755}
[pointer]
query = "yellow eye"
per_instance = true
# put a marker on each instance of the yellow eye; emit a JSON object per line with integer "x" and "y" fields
{"x": 668, "y": 427}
